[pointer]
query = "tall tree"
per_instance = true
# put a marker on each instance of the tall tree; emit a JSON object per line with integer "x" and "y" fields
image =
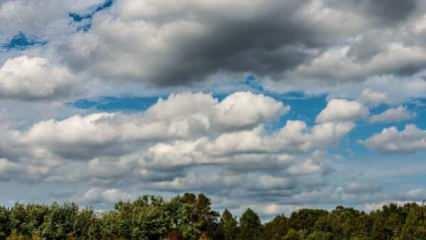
{"x": 250, "y": 226}
{"x": 229, "y": 225}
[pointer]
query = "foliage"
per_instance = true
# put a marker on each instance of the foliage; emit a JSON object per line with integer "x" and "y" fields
{"x": 191, "y": 217}
{"x": 250, "y": 226}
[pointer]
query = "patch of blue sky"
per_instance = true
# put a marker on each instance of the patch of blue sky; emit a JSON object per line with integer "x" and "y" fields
{"x": 252, "y": 83}
{"x": 22, "y": 41}
{"x": 418, "y": 106}
{"x": 84, "y": 19}
{"x": 116, "y": 104}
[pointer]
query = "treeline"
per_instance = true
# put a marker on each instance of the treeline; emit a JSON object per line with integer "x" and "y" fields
{"x": 191, "y": 217}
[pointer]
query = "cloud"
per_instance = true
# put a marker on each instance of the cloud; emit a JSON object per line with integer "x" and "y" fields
{"x": 371, "y": 97}
{"x": 392, "y": 115}
{"x": 395, "y": 59}
{"x": 242, "y": 146}
{"x": 357, "y": 188}
{"x": 419, "y": 194}
{"x": 186, "y": 142}
{"x": 33, "y": 78}
{"x": 162, "y": 44}
{"x": 36, "y": 18}
{"x": 98, "y": 195}
{"x": 408, "y": 87}
{"x": 191, "y": 42}
{"x": 341, "y": 110}
{"x": 7, "y": 169}
{"x": 175, "y": 118}
{"x": 169, "y": 54}
{"x": 386, "y": 12}
{"x": 391, "y": 140}
{"x": 175, "y": 44}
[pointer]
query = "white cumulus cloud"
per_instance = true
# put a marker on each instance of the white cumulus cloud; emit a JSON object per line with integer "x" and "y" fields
{"x": 27, "y": 78}
{"x": 391, "y": 140}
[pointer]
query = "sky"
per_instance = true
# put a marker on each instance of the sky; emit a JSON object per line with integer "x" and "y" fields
{"x": 265, "y": 104}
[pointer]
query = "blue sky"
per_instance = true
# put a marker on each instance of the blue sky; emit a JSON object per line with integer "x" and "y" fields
{"x": 108, "y": 100}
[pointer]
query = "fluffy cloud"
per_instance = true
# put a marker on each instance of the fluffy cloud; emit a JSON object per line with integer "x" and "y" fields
{"x": 391, "y": 140}
{"x": 29, "y": 78}
{"x": 341, "y": 110}
{"x": 396, "y": 59}
{"x": 181, "y": 116}
{"x": 371, "y": 97}
{"x": 392, "y": 115}
{"x": 187, "y": 142}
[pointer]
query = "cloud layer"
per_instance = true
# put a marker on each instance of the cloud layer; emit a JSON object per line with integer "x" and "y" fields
{"x": 187, "y": 142}
{"x": 168, "y": 44}
{"x": 269, "y": 102}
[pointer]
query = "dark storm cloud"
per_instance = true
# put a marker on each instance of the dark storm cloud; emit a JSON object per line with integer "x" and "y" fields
{"x": 269, "y": 44}
{"x": 249, "y": 47}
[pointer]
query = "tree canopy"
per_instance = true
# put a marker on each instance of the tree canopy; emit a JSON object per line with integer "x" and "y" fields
{"x": 192, "y": 217}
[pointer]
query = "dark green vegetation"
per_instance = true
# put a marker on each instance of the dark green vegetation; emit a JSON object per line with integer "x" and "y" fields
{"x": 191, "y": 217}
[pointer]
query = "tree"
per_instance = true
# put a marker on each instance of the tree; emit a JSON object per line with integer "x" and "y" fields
{"x": 15, "y": 236}
{"x": 195, "y": 216}
{"x": 293, "y": 235}
{"x": 191, "y": 217}
{"x": 305, "y": 219}
{"x": 275, "y": 229}
{"x": 4, "y": 223}
{"x": 250, "y": 226}
{"x": 317, "y": 235}
{"x": 229, "y": 226}
{"x": 414, "y": 225}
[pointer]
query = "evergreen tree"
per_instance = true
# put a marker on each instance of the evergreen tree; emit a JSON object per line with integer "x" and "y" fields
{"x": 229, "y": 226}
{"x": 250, "y": 226}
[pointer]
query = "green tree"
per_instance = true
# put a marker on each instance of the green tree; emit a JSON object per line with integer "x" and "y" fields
{"x": 229, "y": 226}
{"x": 250, "y": 226}
{"x": 317, "y": 235}
{"x": 414, "y": 225}
{"x": 275, "y": 229}
{"x": 293, "y": 235}
{"x": 305, "y": 219}
{"x": 4, "y": 223}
